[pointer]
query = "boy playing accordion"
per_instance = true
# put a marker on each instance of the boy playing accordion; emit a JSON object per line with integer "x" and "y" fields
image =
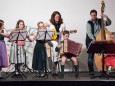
{"x": 66, "y": 55}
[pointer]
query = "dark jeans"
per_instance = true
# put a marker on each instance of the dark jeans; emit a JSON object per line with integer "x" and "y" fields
{"x": 90, "y": 62}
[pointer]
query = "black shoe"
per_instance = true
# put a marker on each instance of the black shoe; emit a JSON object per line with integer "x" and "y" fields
{"x": 54, "y": 74}
{"x": 14, "y": 75}
{"x": 91, "y": 73}
{"x": 62, "y": 77}
{"x": 92, "y": 76}
{"x": 1, "y": 77}
{"x": 77, "y": 75}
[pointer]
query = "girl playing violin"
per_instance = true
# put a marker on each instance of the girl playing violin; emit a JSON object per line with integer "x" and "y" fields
{"x": 39, "y": 54}
{"x": 3, "y": 51}
{"x": 20, "y": 25}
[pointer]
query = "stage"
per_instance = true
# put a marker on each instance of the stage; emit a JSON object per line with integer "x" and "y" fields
{"x": 69, "y": 80}
{"x": 69, "y": 76}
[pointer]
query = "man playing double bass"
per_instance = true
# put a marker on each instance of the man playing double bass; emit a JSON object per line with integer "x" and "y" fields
{"x": 92, "y": 29}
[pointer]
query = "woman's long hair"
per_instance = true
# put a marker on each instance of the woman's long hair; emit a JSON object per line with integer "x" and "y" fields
{"x": 52, "y": 20}
{"x": 1, "y": 23}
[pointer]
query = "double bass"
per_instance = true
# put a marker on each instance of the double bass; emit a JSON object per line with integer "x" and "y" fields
{"x": 102, "y": 36}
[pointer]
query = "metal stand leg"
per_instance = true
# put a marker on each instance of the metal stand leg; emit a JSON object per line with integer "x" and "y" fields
{"x": 17, "y": 70}
{"x": 103, "y": 74}
{"x": 25, "y": 65}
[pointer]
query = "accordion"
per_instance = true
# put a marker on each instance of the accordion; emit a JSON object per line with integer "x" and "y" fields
{"x": 69, "y": 46}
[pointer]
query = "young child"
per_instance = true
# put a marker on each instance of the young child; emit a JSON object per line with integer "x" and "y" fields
{"x": 66, "y": 56}
{"x": 39, "y": 54}
{"x": 3, "y": 51}
{"x": 20, "y": 25}
{"x": 110, "y": 58}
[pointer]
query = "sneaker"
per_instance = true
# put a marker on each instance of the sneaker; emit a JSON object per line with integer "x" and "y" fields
{"x": 16, "y": 75}
{"x": 108, "y": 72}
{"x": 42, "y": 75}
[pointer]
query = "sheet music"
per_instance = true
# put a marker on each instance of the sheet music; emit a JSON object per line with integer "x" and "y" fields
{"x": 41, "y": 34}
{"x": 22, "y": 35}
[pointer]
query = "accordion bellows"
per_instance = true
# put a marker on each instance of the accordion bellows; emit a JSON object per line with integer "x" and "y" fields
{"x": 71, "y": 46}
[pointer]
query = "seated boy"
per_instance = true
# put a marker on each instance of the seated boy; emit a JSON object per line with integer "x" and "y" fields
{"x": 66, "y": 56}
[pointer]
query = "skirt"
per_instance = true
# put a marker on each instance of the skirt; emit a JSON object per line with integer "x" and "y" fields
{"x": 3, "y": 54}
{"x": 110, "y": 60}
{"x": 39, "y": 56}
{"x": 14, "y": 58}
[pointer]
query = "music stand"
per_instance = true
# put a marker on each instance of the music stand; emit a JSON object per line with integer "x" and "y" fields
{"x": 44, "y": 35}
{"x": 15, "y": 36}
{"x": 102, "y": 48}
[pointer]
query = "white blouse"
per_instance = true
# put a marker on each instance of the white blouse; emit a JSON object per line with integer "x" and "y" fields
{"x": 51, "y": 26}
{"x": 62, "y": 27}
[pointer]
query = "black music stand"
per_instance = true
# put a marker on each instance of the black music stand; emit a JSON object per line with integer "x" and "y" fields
{"x": 102, "y": 48}
{"x": 19, "y": 35}
{"x": 44, "y": 35}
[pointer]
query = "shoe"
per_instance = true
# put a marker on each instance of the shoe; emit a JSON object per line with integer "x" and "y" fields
{"x": 1, "y": 77}
{"x": 76, "y": 76}
{"x": 91, "y": 73}
{"x": 92, "y": 76}
{"x": 43, "y": 75}
{"x": 15, "y": 75}
{"x": 38, "y": 75}
{"x": 61, "y": 76}
{"x": 54, "y": 74}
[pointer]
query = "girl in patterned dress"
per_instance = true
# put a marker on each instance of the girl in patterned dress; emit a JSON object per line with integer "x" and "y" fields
{"x": 21, "y": 51}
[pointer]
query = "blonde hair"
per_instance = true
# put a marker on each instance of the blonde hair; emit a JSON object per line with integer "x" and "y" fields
{"x": 40, "y": 22}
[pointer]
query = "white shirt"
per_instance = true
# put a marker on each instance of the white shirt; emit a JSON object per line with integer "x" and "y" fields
{"x": 62, "y": 27}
